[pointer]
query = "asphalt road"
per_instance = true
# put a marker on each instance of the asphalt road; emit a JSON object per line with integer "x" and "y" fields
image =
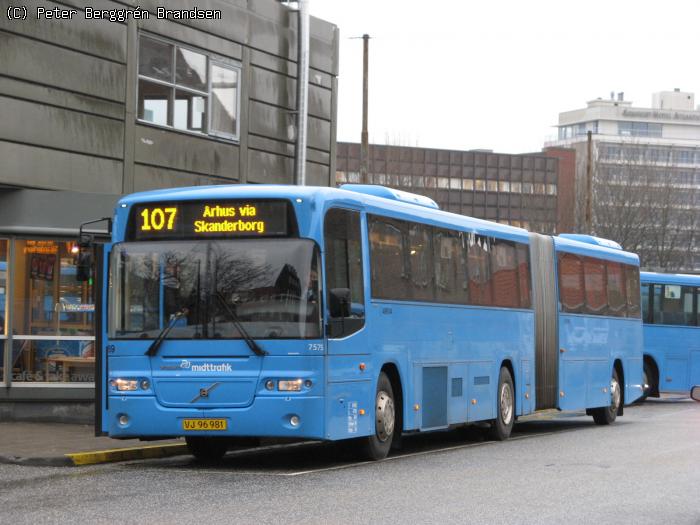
{"x": 645, "y": 468}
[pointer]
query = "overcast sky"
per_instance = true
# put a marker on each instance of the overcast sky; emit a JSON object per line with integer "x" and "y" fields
{"x": 495, "y": 74}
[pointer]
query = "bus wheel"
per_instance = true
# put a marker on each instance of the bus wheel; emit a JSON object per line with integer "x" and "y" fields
{"x": 207, "y": 448}
{"x": 377, "y": 446}
{"x": 606, "y": 415}
{"x": 505, "y": 407}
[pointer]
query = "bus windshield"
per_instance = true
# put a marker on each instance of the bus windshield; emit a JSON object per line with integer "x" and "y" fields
{"x": 271, "y": 286}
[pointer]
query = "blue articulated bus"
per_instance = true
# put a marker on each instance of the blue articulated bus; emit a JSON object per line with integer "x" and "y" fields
{"x": 358, "y": 313}
{"x": 671, "y": 316}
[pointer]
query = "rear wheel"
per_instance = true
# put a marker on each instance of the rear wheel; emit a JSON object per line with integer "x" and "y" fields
{"x": 608, "y": 414}
{"x": 377, "y": 446}
{"x": 207, "y": 448}
{"x": 505, "y": 407}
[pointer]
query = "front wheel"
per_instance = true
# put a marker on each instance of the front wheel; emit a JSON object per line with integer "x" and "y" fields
{"x": 505, "y": 407}
{"x": 377, "y": 446}
{"x": 608, "y": 414}
{"x": 207, "y": 448}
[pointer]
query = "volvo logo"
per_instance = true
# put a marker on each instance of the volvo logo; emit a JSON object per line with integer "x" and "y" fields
{"x": 204, "y": 392}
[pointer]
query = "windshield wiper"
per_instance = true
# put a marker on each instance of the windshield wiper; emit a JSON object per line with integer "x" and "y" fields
{"x": 255, "y": 347}
{"x": 165, "y": 331}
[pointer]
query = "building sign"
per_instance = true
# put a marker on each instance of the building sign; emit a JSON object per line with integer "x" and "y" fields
{"x": 661, "y": 115}
{"x": 203, "y": 219}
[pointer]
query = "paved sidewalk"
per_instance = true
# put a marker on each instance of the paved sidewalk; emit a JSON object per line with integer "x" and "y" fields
{"x": 58, "y": 444}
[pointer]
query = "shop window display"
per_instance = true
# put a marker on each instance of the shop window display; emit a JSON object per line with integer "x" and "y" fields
{"x": 53, "y": 315}
{"x": 3, "y": 300}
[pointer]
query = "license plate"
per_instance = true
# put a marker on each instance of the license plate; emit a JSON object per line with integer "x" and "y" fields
{"x": 204, "y": 424}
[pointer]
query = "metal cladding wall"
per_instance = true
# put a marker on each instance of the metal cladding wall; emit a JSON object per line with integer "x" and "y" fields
{"x": 68, "y": 95}
{"x": 521, "y": 190}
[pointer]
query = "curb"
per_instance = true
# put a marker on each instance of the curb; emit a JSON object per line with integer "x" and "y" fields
{"x": 97, "y": 457}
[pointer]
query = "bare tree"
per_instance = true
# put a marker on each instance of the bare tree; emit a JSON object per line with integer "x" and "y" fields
{"x": 638, "y": 200}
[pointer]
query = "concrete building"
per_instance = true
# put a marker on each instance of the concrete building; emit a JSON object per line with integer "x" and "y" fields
{"x": 96, "y": 104}
{"x": 645, "y": 175}
{"x": 529, "y": 190}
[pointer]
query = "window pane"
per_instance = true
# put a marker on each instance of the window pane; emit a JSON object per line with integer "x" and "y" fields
{"x": 190, "y": 111}
{"x": 224, "y": 94}
{"x": 571, "y": 283}
{"x": 656, "y": 301}
{"x": 421, "y": 262}
{"x": 49, "y": 301}
{"x": 617, "y": 294}
{"x": 344, "y": 256}
{"x": 3, "y": 288}
{"x": 450, "y": 268}
{"x": 645, "y": 303}
{"x": 505, "y": 276}
{"x": 677, "y": 305}
{"x": 478, "y": 264}
{"x": 154, "y": 100}
{"x": 155, "y": 59}
{"x": 594, "y": 281}
{"x": 389, "y": 272}
{"x": 633, "y": 292}
{"x": 191, "y": 69}
{"x": 524, "y": 280}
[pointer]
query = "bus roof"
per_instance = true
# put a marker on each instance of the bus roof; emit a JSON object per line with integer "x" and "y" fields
{"x": 372, "y": 203}
{"x": 571, "y": 245}
{"x": 332, "y": 196}
{"x": 670, "y": 278}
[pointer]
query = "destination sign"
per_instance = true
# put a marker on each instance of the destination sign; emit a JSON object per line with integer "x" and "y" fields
{"x": 197, "y": 219}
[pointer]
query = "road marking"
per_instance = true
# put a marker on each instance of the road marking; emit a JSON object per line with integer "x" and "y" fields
{"x": 222, "y": 470}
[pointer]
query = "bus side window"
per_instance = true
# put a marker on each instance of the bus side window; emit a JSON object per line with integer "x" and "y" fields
{"x": 344, "y": 282}
{"x": 656, "y": 302}
{"x": 571, "y": 294}
{"x": 634, "y": 301}
{"x": 677, "y": 305}
{"x": 595, "y": 286}
{"x": 646, "y": 297}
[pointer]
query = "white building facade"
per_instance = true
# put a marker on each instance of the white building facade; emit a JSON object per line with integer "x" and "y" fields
{"x": 644, "y": 170}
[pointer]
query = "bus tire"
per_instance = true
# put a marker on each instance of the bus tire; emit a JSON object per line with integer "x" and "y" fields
{"x": 207, "y": 448}
{"x": 505, "y": 407}
{"x": 608, "y": 414}
{"x": 377, "y": 446}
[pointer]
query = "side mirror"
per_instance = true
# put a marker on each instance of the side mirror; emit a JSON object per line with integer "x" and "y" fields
{"x": 695, "y": 393}
{"x": 339, "y": 302}
{"x": 83, "y": 267}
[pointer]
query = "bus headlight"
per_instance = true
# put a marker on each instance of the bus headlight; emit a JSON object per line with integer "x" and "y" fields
{"x": 125, "y": 385}
{"x": 289, "y": 385}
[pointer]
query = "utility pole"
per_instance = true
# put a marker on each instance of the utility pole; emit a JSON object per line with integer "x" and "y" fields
{"x": 589, "y": 190}
{"x": 302, "y": 95}
{"x": 364, "y": 148}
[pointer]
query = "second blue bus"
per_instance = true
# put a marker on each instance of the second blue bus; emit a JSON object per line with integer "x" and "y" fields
{"x": 671, "y": 332}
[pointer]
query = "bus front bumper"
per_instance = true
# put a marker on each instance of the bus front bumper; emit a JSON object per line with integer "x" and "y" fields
{"x": 288, "y": 417}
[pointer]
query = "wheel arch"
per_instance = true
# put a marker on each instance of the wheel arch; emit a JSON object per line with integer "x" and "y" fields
{"x": 392, "y": 372}
{"x": 651, "y": 361}
{"x": 619, "y": 368}
{"x": 507, "y": 363}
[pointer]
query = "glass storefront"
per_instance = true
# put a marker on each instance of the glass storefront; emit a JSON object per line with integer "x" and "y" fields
{"x": 49, "y": 335}
{"x": 3, "y": 295}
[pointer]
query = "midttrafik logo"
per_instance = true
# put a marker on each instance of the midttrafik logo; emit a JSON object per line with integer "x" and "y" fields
{"x": 206, "y": 367}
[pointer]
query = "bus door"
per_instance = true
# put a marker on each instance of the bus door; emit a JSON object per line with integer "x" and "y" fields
{"x": 349, "y": 367}
{"x": 673, "y": 307}
{"x": 101, "y": 271}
